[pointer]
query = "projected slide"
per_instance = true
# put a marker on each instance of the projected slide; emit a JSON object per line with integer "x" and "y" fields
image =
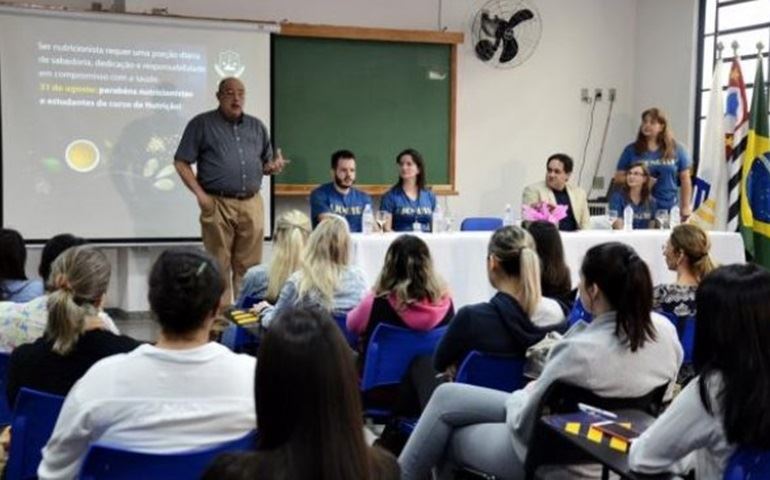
{"x": 93, "y": 107}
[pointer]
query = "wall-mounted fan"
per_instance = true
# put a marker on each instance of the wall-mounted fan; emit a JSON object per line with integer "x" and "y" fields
{"x": 506, "y": 32}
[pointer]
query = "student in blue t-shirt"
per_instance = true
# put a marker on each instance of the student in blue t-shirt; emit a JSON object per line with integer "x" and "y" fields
{"x": 667, "y": 161}
{"x": 408, "y": 202}
{"x": 635, "y": 192}
{"x": 339, "y": 197}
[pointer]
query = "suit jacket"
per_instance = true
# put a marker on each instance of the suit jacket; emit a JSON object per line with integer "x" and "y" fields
{"x": 539, "y": 192}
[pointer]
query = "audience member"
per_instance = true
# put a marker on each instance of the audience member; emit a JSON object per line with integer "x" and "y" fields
{"x": 408, "y": 204}
{"x": 308, "y": 409}
{"x": 180, "y": 394}
{"x": 668, "y": 162}
{"x": 25, "y": 322}
{"x": 409, "y": 293}
{"x": 263, "y": 282}
{"x": 555, "y": 278}
{"x": 556, "y": 191}
{"x": 326, "y": 279}
{"x": 727, "y": 405}
{"x": 339, "y": 196}
{"x": 75, "y": 337}
{"x": 625, "y": 352}
{"x": 14, "y": 285}
{"x": 686, "y": 253}
{"x": 636, "y": 193}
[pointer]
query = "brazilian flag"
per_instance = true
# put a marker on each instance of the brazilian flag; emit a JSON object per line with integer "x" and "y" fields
{"x": 755, "y": 187}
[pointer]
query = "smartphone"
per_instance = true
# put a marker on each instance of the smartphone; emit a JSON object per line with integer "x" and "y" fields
{"x": 617, "y": 430}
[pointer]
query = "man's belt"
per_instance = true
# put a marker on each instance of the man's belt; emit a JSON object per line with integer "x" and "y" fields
{"x": 236, "y": 195}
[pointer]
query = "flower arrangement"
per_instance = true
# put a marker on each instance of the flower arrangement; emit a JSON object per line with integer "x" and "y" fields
{"x": 544, "y": 211}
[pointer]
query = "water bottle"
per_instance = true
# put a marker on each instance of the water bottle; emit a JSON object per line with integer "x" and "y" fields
{"x": 508, "y": 215}
{"x": 674, "y": 216}
{"x": 437, "y": 224}
{"x": 628, "y": 218}
{"x": 367, "y": 220}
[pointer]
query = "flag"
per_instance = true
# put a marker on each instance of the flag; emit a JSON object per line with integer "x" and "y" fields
{"x": 711, "y": 213}
{"x": 736, "y": 133}
{"x": 755, "y": 176}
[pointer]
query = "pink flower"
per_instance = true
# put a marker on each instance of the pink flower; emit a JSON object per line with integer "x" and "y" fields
{"x": 544, "y": 211}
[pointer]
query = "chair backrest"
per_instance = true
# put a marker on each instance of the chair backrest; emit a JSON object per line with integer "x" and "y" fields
{"x": 5, "y": 409}
{"x": 501, "y": 372}
{"x": 115, "y": 463}
{"x": 578, "y": 313}
{"x": 239, "y": 340}
{"x": 248, "y": 301}
{"x": 748, "y": 463}
{"x": 341, "y": 320}
{"x": 685, "y": 329}
{"x": 700, "y": 191}
{"x": 33, "y": 421}
{"x": 481, "y": 224}
{"x": 391, "y": 349}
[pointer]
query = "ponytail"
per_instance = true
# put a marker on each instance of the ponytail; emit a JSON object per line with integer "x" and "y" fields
{"x": 514, "y": 249}
{"x": 291, "y": 232}
{"x": 702, "y": 266}
{"x": 66, "y": 320}
{"x": 530, "y": 279}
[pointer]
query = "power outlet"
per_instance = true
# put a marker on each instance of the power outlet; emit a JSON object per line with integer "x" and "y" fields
{"x": 598, "y": 94}
{"x": 584, "y": 97}
{"x": 612, "y": 94}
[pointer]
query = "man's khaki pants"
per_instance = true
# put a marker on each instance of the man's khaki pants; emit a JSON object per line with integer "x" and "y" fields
{"x": 233, "y": 232}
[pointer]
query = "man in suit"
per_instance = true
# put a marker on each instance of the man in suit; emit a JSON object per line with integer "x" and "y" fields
{"x": 556, "y": 191}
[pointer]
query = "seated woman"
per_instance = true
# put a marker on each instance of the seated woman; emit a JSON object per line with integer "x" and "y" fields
{"x": 180, "y": 394}
{"x": 727, "y": 405}
{"x": 635, "y": 192}
{"x": 14, "y": 286}
{"x": 408, "y": 293}
{"x": 555, "y": 279}
{"x": 408, "y": 204}
{"x": 75, "y": 337}
{"x": 310, "y": 421}
{"x": 264, "y": 282}
{"x": 687, "y": 254}
{"x": 326, "y": 279}
{"x": 625, "y": 352}
{"x": 502, "y": 325}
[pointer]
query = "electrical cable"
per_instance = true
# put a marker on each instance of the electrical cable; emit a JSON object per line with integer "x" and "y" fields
{"x": 588, "y": 140}
{"x": 602, "y": 145}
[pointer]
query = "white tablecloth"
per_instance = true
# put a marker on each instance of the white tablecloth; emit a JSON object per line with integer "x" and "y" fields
{"x": 460, "y": 257}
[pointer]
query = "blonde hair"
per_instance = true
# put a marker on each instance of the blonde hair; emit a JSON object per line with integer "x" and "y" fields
{"x": 514, "y": 249}
{"x": 79, "y": 277}
{"x": 326, "y": 255}
{"x": 408, "y": 273}
{"x": 291, "y": 233}
{"x": 694, "y": 243}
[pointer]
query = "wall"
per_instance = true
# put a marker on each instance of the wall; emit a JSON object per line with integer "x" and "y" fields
{"x": 508, "y": 121}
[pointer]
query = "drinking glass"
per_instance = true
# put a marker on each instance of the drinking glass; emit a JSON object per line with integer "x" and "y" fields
{"x": 661, "y": 216}
{"x": 381, "y": 217}
{"x": 612, "y": 215}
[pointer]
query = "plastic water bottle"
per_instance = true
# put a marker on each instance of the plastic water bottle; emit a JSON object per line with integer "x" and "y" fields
{"x": 508, "y": 215}
{"x": 437, "y": 224}
{"x": 628, "y": 218}
{"x": 674, "y": 216}
{"x": 367, "y": 220}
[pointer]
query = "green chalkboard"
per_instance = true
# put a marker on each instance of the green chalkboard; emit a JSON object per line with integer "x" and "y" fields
{"x": 372, "y": 97}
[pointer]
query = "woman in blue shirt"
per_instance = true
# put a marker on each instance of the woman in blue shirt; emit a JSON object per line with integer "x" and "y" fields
{"x": 408, "y": 202}
{"x": 635, "y": 192}
{"x": 667, "y": 161}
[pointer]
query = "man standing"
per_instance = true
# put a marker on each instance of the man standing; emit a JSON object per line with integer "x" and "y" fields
{"x": 339, "y": 197}
{"x": 232, "y": 151}
{"x": 554, "y": 190}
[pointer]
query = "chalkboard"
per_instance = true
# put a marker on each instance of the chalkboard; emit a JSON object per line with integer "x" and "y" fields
{"x": 373, "y": 94}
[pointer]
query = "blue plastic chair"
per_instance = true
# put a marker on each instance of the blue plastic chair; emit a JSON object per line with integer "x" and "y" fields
{"x": 700, "y": 191}
{"x": 389, "y": 353}
{"x": 748, "y": 463}
{"x": 5, "y": 409}
{"x": 33, "y": 421}
{"x": 238, "y": 339}
{"x": 501, "y": 372}
{"x": 111, "y": 462}
{"x": 341, "y": 319}
{"x": 578, "y": 313}
{"x": 685, "y": 328}
{"x": 248, "y": 302}
{"x": 481, "y": 224}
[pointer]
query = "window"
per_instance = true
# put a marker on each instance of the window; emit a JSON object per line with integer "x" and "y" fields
{"x": 744, "y": 21}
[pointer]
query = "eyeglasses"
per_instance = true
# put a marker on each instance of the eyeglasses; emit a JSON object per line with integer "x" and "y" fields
{"x": 233, "y": 93}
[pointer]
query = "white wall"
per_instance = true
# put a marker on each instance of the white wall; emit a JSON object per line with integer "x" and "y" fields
{"x": 508, "y": 121}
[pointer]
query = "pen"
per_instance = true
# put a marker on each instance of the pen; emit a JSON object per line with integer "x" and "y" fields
{"x": 596, "y": 411}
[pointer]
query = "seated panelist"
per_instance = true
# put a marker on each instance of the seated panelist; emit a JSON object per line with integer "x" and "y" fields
{"x": 339, "y": 197}
{"x": 408, "y": 205}
{"x": 555, "y": 191}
